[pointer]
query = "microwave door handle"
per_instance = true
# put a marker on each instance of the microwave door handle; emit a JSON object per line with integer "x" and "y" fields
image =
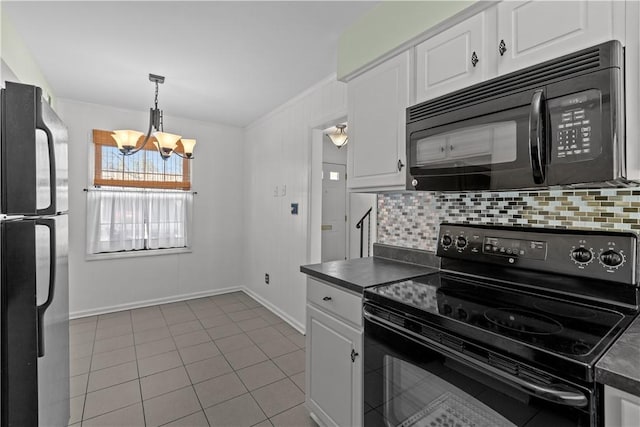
{"x": 537, "y": 136}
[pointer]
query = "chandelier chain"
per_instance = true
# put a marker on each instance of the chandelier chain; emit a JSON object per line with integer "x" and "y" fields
{"x": 156, "y": 98}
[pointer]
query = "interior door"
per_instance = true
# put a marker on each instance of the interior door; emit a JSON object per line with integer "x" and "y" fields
{"x": 334, "y": 196}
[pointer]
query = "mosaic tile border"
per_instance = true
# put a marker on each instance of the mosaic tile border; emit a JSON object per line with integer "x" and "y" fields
{"x": 412, "y": 219}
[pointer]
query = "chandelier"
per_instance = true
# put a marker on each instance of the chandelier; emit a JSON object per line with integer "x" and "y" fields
{"x": 339, "y": 137}
{"x": 166, "y": 143}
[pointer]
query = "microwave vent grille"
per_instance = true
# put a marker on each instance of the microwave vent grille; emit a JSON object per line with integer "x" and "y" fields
{"x": 558, "y": 69}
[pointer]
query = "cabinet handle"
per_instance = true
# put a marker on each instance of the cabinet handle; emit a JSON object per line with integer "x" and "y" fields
{"x": 451, "y": 148}
{"x": 502, "y": 48}
{"x": 354, "y": 354}
{"x": 474, "y": 59}
{"x": 400, "y": 165}
{"x": 326, "y": 299}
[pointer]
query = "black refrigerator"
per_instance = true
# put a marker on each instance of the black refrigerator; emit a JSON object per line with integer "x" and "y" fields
{"x": 34, "y": 308}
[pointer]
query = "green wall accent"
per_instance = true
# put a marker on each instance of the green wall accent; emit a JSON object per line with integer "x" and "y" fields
{"x": 18, "y": 58}
{"x": 387, "y": 26}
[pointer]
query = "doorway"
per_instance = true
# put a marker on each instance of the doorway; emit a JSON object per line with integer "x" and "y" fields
{"x": 321, "y": 152}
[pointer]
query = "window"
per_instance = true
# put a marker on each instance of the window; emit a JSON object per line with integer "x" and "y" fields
{"x": 146, "y": 169}
{"x": 139, "y": 204}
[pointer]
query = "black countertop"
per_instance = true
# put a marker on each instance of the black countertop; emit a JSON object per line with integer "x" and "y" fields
{"x": 620, "y": 366}
{"x": 389, "y": 264}
{"x": 358, "y": 274}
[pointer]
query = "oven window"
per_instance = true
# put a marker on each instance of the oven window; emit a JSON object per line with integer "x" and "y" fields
{"x": 407, "y": 384}
{"x": 487, "y": 144}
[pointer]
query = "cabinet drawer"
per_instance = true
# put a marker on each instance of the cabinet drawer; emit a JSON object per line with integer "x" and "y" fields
{"x": 336, "y": 301}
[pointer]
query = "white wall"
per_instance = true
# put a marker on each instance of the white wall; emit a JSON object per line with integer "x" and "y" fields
{"x": 277, "y": 153}
{"x": 215, "y": 262}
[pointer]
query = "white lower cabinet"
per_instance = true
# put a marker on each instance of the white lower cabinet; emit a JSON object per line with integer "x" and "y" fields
{"x": 334, "y": 365}
{"x": 621, "y": 409}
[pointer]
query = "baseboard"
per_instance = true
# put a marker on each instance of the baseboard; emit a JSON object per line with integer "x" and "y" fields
{"x": 185, "y": 297}
{"x": 156, "y": 301}
{"x": 284, "y": 316}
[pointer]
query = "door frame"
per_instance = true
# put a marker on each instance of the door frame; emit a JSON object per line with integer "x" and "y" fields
{"x": 314, "y": 184}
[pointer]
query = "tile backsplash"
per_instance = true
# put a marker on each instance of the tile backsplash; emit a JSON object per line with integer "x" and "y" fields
{"x": 412, "y": 219}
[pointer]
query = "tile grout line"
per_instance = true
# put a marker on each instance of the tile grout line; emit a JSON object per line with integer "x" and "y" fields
{"x": 135, "y": 353}
{"x": 184, "y": 366}
{"x": 86, "y": 388}
{"x": 226, "y": 360}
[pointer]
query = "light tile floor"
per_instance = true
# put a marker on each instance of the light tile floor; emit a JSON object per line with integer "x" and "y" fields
{"x": 218, "y": 361}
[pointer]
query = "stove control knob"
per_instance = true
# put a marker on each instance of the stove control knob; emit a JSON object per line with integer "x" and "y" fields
{"x": 462, "y": 314}
{"x": 581, "y": 255}
{"x": 447, "y": 309}
{"x": 446, "y": 240}
{"x": 611, "y": 258}
{"x": 461, "y": 242}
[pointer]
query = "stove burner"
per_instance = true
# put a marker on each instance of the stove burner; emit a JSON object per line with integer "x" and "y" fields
{"x": 580, "y": 348}
{"x": 564, "y": 310}
{"x": 523, "y": 321}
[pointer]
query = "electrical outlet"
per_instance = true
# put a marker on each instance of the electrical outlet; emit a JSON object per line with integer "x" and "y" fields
{"x": 266, "y": 278}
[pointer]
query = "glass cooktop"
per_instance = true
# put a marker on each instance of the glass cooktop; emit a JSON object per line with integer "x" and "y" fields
{"x": 556, "y": 326}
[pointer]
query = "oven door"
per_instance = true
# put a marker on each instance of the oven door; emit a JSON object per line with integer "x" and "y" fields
{"x": 411, "y": 380}
{"x": 496, "y": 144}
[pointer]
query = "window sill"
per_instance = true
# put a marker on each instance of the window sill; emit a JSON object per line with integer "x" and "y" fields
{"x": 136, "y": 254}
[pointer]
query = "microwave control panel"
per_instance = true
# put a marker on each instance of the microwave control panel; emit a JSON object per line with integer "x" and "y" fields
{"x": 575, "y": 126}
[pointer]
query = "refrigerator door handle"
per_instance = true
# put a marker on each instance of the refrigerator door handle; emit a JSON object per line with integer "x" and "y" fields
{"x": 49, "y": 223}
{"x": 40, "y": 124}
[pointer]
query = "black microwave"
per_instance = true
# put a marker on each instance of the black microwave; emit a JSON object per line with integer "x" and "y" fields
{"x": 558, "y": 123}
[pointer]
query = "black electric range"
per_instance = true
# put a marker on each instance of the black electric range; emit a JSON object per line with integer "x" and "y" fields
{"x": 534, "y": 308}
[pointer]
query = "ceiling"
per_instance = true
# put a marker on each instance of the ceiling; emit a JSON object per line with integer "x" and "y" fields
{"x": 225, "y": 62}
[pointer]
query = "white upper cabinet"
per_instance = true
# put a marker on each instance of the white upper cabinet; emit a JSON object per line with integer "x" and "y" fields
{"x": 453, "y": 59}
{"x": 377, "y": 102}
{"x": 530, "y": 32}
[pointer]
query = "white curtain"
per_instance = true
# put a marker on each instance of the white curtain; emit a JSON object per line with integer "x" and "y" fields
{"x": 125, "y": 220}
{"x": 168, "y": 219}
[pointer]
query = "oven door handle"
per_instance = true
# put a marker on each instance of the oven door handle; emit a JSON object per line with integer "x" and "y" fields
{"x": 565, "y": 395}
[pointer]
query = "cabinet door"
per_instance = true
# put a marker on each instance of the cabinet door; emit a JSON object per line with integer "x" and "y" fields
{"x": 536, "y": 31}
{"x": 377, "y": 103}
{"x": 334, "y": 380}
{"x": 452, "y": 59}
{"x": 621, "y": 409}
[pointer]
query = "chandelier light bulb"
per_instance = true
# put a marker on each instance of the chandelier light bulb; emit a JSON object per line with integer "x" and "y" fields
{"x": 126, "y": 140}
{"x": 187, "y": 145}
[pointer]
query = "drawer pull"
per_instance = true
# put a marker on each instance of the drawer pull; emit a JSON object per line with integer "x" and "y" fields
{"x": 326, "y": 299}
